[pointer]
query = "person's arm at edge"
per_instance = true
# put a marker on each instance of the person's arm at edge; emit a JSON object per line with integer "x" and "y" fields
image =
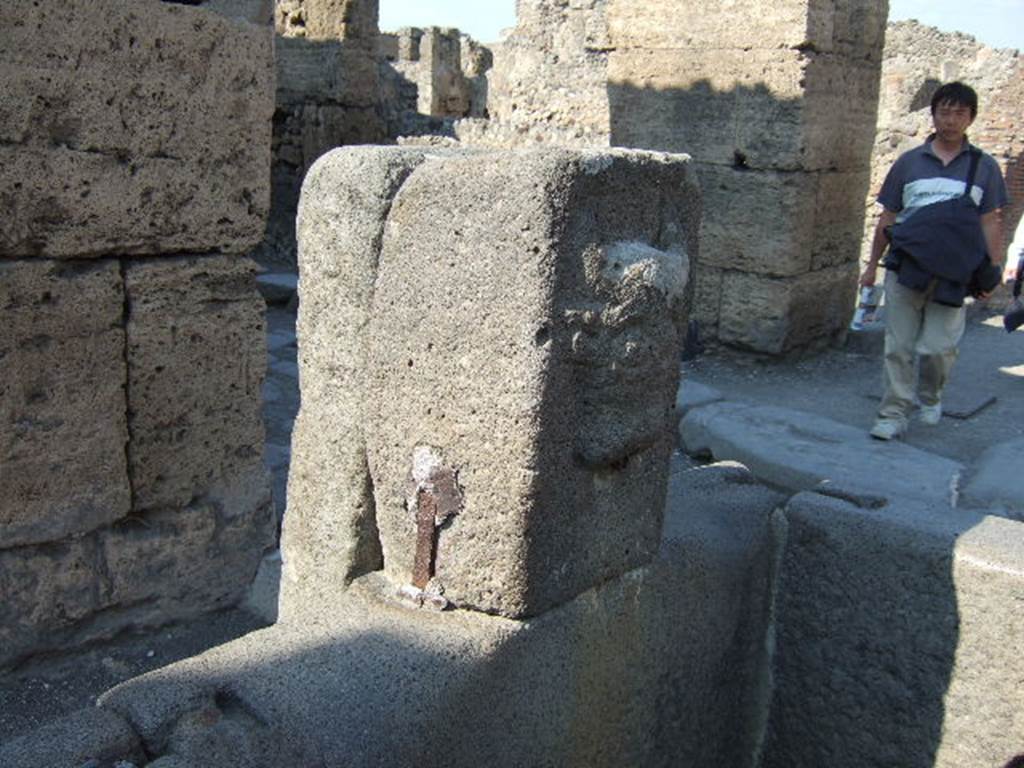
{"x": 879, "y": 242}
{"x": 1015, "y": 254}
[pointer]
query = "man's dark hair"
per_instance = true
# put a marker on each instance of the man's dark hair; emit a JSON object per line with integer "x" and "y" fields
{"x": 956, "y": 94}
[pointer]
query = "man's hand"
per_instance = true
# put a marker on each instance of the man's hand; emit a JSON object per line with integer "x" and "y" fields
{"x": 868, "y": 276}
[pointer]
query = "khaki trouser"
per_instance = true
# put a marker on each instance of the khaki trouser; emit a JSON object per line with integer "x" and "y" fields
{"x": 916, "y": 325}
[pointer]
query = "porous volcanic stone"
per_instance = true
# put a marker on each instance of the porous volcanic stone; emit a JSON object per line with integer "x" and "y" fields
{"x": 525, "y": 334}
{"x": 329, "y": 533}
{"x": 132, "y": 128}
{"x": 197, "y": 357}
{"x": 665, "y": 665}
{"x": 63, "y": 415}
{"x": 88, "y": 737}
{"x": 900, "y": 637}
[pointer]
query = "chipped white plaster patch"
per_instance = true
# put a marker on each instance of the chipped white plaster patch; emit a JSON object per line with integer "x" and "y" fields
{"x": 633, "y": 262}
{"x": 424, "y": 461}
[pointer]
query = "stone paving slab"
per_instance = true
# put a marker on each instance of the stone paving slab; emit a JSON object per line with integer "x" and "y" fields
{"x": 693, "y": 394}
{"x": 997, "y": 480}
{"x": 801, "y": 451}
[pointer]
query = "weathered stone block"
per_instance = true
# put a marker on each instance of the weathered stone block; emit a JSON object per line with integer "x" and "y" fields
{"x": 760, "y": 222}
{"x": 785, "y": 110}
{"x": 45, "y": 590}
{"x": 838, "y": 218}
{"x": 329, "y": 532}
{"x": 852, "y": 28}
{"x": 611, "y": 678}
{"x": 525, "y": 337}
{"x": 179, "y": 563}
{"x": 780, "y": 224}
{"x": 354, "y": 20}
{"x": 196, "y": 362}
{"x": 325, "y": 72}
{"x": 707, "y": 297}
{"x": 89, "y": 736}
{"x": 776, "y": 315}
{"x": 63, "y": 413}
{"x": 900, "y": 638}
{"x": 133, "y": 132}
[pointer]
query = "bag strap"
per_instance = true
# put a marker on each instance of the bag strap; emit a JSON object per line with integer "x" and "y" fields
{"x": 975, "y": 154}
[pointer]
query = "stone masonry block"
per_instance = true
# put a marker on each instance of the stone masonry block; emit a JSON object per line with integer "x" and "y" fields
{"x": 178, "y": 563}
{"x": 63, "y": 414}
{"x": 132, "y": 128}
{"x": 785, "y": 110}
{"x": 781, "y": 224}
{"x": 45, "y": 590}
{"x": 349, "y": 20}
{"x": 329, "y": 535}
{"x": 900, "y": 638}
{"x": 525, "y": 343}
{"x": 851, "y": 28}
{"x": 611, "y": 678}
{"x": 196, "y": 360}
{"x": 324, "y": 72}
{"x": 760, "y": 222}
{"x": 142, "y": 571}
{"x": 707, "y": 297}
{"x": 778, "y": 315}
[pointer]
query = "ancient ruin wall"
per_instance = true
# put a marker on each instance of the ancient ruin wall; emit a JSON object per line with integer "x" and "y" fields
{"x": 550, "y": 77}
{"x": 916, "y": 61}
{"x": 776, "y": 105}
{"x": 134, "y": 158}
{"x": 432, "y": 72}
{"x": 328, "y": 94}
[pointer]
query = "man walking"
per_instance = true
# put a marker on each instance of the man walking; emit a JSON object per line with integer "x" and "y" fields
{"x": 941, "y": 209}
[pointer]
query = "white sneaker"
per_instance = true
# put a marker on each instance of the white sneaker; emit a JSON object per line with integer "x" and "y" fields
{"x": 887, "y": 429}
{"x": 930, "y": 414}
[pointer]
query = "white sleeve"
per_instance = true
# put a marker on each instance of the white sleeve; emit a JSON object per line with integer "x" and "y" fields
{"x": 1016, "y": 249}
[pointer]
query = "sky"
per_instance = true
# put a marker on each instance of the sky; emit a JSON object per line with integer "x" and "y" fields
{"x": 998, "y": 23}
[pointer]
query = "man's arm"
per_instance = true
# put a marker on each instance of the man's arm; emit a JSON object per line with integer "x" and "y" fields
{"x": 878, "y": 246}
{"x": 992, "y": 228}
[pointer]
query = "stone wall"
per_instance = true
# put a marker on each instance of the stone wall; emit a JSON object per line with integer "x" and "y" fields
{"x": 550, "y": 76}
{"x": 917, "y": 59}
{"x": 776, "y": 106}
{"x": 434, "y": 72}
{"x": 135, "y": 151}
{"x": 328, "y": 94}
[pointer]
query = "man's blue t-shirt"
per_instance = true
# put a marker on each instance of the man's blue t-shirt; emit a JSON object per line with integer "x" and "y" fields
{"x": 918, "y": 178}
